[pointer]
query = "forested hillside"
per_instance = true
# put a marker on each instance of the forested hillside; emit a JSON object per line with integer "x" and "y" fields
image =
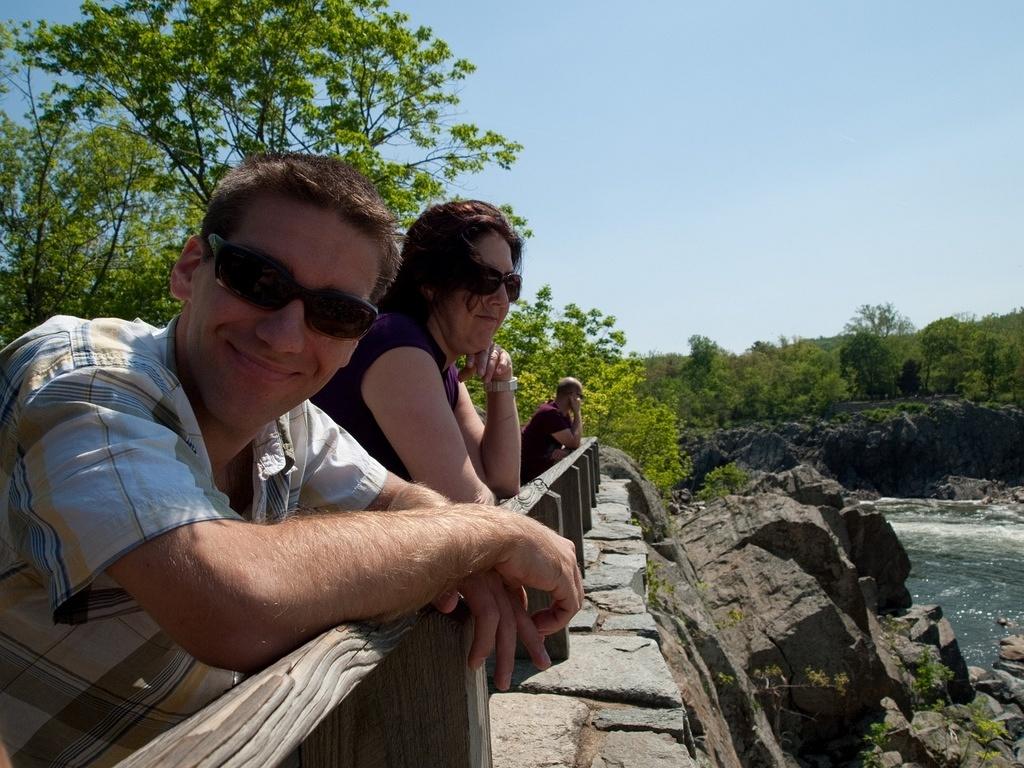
{"x": 879, "y": 355}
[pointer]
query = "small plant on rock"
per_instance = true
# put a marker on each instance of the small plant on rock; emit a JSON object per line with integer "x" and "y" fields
{"x": 722, "y": 481}
{"x": 733, "y": 617}
{"x": 770, "y": 682}
{"x": 879, "y": 415}
{"x": 930, "y": 678}
{"x": 659, "y": 589}
{"x": 875, "y": 741}
{"x": 983, "y": 727}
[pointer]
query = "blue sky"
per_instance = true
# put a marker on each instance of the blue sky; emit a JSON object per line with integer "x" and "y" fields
{"x": 749, "y": 170}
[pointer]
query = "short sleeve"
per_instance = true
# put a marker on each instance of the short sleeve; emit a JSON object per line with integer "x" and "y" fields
{"x": 551, "y": 421}
{"x": 337, "y": 470}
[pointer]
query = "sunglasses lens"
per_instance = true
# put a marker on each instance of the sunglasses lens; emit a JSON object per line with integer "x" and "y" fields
{"x": 252, "y": 278}
{"x": 487, "y": 280}
{"x": 513, "y": 286}
{"x": 338, "y": 315}
{"x": 260, "y": 281}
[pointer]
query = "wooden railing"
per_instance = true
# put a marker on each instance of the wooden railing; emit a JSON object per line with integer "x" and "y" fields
{"x": 393, "y": 695}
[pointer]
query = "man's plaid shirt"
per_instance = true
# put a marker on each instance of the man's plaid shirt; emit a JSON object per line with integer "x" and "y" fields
{"x": 99, "y": 452}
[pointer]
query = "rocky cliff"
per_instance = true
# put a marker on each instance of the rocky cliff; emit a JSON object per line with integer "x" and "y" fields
{"x": 785, "y": 618}
{"x": 948, "y": 449}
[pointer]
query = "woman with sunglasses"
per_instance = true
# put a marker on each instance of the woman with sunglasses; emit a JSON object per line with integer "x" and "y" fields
{"x": 402, "y": 396}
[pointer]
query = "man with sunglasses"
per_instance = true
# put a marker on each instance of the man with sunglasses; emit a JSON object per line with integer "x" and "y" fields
{"x": 152, "y": 542}
{"x": 554, "y": 430}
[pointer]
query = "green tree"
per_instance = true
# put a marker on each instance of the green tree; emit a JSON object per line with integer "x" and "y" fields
{"x": 711, "y": 387}
{"x": 711, "y": 393}
{"x": 879, "y": 319}
{"x": 796, "y": 378}
{"x": 84, "y": 224}
{"x": 992, "y": 364}
{"x": 207, "y": 82}
{"x": 721, "y": 481}
{"x": 868, "y": 364}
{"x": 909, "y": 381}
{"x": 546, "y": 345}
{"x": 942, "y": 348}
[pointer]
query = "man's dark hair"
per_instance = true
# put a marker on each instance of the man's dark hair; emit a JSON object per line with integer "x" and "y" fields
{"x": 439, "y": 250}
{"x": 322, "y": 181}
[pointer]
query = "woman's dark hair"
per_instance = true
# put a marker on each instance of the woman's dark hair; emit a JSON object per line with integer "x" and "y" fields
{"x": 439, "y": 250}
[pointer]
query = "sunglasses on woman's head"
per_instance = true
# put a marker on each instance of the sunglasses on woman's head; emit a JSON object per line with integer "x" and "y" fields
{"x": 484, "y": 280}
{"x": 267, "y": 284}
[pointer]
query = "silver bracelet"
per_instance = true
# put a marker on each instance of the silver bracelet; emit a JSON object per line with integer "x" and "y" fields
{"x": 502, "y": 386}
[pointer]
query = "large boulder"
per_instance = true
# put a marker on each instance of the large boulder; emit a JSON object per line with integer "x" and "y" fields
{"x": 788, "y": 612}
{"x": 877, "y": 553}
{"x": 958, "y": 488}
{"x": 804, "y": 484}
{"x": 783, "y": 527}
{"x": 922, "y": 628}
{"x": 813, "y": 668}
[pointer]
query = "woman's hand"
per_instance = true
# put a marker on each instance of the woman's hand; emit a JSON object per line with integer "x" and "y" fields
{"x": 491, "y": 364}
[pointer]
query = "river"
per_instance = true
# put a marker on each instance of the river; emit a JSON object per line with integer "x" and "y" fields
{"x": 968, "y": 558}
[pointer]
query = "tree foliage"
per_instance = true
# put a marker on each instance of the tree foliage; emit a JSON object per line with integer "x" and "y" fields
{"x": 207, "y": 82}
{"x": 868, "y": 364}
{"x": 715, "y": 388}
{"x": 547, "y": 345}
{"x": 149, "y": 101}
{"x": 909, "y": 381}
{"x": 880, "y": 320}
{"x": 84, "y": 224}
{"x": 981, "y": 359}
{"x": 721, "y": 481}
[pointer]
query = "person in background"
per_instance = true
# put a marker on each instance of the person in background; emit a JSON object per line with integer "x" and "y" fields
{"x": 554, "y": 430}
{"x": 174, "y": 511}
{"x": 402, "y": 396}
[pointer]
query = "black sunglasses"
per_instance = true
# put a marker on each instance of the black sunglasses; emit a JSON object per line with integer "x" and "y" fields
{"x": 484, "y": 280}
{"x": 264, "y": 283}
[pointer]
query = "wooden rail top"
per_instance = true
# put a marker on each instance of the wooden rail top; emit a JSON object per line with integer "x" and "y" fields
{"x": 365, "y": 695}
{"x": 267, "y": 716}
{"x": 532, "y": 491}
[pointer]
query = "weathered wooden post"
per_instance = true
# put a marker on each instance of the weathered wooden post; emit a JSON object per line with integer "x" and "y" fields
{"x": 413, "y": 710}
{"x": 588, "y": 498}
{"x": 567, "y": 485}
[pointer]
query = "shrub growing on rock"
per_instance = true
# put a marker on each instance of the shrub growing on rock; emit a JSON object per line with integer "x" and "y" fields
{"x": 722, "y": 481}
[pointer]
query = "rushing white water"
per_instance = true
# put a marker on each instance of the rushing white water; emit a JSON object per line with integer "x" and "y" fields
{"x": 968, "y": 558}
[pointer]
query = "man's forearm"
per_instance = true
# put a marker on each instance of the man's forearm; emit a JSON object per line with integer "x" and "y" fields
{"x": 239, "y": 595}
{"x": 400, "y": 494}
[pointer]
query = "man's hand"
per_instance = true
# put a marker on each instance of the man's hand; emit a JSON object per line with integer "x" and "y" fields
{"x": 497, "y": 600}
{"x": 246, "y": 594}
{"x": 545, "y": 561}
{"x": 499, "y": 615}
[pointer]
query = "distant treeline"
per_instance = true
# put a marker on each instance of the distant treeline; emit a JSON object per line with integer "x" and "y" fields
{"x": 878, "y": 355}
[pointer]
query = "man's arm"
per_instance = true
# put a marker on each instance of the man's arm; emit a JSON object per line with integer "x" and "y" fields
{"x": 239, "y": 595}
{"x": 399, "y": 494}
{"x": 499, "y": 610}
{"x": 570, "y": 436}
